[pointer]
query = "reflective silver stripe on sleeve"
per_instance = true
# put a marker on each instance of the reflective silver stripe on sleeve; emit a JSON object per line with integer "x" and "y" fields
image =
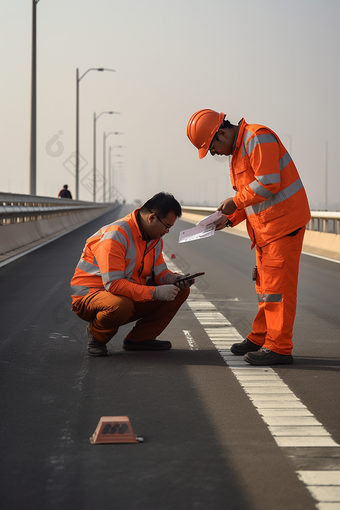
{"x": 158, "y": 249}
{"x": 120, "y": 223}
{"x": 269, "y": 298}
{"x": 160, "y": 268}
{"x": 112, "y": 276}
{"x": 275, "y": 199}
{"x": 269, "y": 179}
{"x": 79, "y": 290}
{"x": 260, "y": 190}
{"x": 131, "y": 253}
{"x": 129, "y": 246}
{"x": 117, "y": 236}
{"x": 283, "y": 162}
{"x": 88, "y": 267}
{"x": 245, "y": 140}
{"x": 259, "y": 139}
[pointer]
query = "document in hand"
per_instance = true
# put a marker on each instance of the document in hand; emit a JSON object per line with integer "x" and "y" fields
{"x": 204, "y": 228}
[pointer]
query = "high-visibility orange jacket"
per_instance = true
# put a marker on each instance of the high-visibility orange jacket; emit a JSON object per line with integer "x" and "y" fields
{"x": 117, "y": 259}
{"x": 269, "y": 191}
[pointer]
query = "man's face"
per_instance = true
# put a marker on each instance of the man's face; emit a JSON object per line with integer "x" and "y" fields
{"x": 157, "y": 227}
{"x": 222, "y": 143}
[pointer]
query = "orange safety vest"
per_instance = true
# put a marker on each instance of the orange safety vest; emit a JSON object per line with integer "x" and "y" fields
{"x": 269, "y": 191}
{"x": 117, "y": 259}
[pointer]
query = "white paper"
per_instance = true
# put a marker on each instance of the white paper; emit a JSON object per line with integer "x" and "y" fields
{"x": 204, "y": 228}
{"x": 213, "y": 219}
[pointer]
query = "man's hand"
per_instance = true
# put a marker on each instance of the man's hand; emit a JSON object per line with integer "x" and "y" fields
{"x": 222, "y": 222}
{"x": 166, "y": 292}
{"x": 174, "y": 277}
{"x": 227, "y": 206}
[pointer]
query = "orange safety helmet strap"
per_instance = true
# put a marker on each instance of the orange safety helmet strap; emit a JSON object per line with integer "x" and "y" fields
{"x": 202, "y": 127}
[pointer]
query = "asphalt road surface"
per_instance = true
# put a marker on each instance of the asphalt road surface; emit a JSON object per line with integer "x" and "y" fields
{"x": 208, "y": 444}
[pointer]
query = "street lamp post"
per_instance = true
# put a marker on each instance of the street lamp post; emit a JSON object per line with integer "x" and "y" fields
{"x": 111, "y": 181}
{"x": 110, "y": 149}
{"x": 104, "y": 158}
{"x": 95, "y": 118}
{"x": 77, "y": 122}
{"x": 33, "y": 147}
{"x": 117, "y": 166}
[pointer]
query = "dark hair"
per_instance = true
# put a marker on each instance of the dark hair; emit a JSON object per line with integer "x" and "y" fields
{"x": 65, "y": 186}
{"x": 225, "y": 124}
{"x": 162, "y": 204}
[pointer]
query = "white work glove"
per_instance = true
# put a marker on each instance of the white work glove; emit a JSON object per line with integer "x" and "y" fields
{"x": 165, "y": 292}
{"x": 174, "y": 277}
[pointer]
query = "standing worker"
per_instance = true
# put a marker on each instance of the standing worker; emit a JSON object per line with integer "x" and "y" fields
{"x": 65, "y": 192}
{"x": 122, "y": 277}
{"x": 271, "y": 198}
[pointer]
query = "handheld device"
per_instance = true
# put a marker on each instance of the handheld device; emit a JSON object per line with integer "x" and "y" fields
{"x": 189, "y": 277}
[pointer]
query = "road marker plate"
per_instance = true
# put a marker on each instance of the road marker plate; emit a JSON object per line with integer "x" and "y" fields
{"x": 114, "y": 429}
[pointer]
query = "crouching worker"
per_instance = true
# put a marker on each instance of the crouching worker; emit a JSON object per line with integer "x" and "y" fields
{"x": 122, "y": 277}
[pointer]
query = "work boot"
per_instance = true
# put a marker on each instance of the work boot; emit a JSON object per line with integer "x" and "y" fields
{"x": 147, "y": 345}
{"x": 267, "y": 357}
{"x": 94, "y": 348}
{"x": 242, "y": 348}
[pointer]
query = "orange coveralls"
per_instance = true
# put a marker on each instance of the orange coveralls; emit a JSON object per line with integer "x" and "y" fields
{"x": 272, "y": 199}
{"x": 114, "y": 283}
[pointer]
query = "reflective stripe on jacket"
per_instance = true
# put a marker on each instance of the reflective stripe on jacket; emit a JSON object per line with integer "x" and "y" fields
{"x": 119, "y": 260}
{"x": 269, "y": 191}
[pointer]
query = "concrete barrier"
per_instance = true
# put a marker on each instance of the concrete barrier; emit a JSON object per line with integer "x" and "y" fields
{"x": 320, "y": 243}
{"x": 18, "y": 235}
{"x": 315, "y": 243}
{"x": 30, "y": 221}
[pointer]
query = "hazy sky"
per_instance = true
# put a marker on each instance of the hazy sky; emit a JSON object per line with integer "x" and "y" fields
{"x": 272, "y": 62}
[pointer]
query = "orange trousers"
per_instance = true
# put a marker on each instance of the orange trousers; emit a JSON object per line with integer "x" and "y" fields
{"x": 276, "y": 287}
{"x": 107, "y": 312}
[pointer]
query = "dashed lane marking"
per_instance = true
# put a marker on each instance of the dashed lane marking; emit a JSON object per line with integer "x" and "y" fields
{"x": 289, "y": 421}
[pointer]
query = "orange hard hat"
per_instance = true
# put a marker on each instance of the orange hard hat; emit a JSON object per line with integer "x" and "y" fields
{"x": 201, "y": 129}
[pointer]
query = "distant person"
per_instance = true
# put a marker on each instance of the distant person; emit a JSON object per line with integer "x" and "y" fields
{"x": 122, "y": 277}
{"x": 65, "y": 192}
{"x": 269, "y": 194}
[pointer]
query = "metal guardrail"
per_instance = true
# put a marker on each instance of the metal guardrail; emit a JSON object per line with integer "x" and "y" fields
{"x": 18, "y": 208}
{"x": 325, "y": 221}
{"x": 321, "y": 221}
{"x": 15, "y": 208}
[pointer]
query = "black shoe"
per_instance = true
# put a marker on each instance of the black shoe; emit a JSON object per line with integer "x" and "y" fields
{"x": 95, "y": 348}
{"x": 267, "y": 357}
{"x": 147, "y": 345}
{"x": 244, "y": 347}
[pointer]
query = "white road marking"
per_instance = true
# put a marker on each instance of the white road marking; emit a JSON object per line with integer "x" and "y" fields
{"x": 201, "y": 305}
{"x": 298, "y": 431}
{"x": 321, "y": 257}
{"x": 192, "y": 344}
{"x": 288, "y": 419}
{"x": 320, "y": 477}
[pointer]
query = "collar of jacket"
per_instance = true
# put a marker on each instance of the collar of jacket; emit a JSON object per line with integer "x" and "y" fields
{"x": 134, "y": 216}
{"x": 239, "y": 135}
